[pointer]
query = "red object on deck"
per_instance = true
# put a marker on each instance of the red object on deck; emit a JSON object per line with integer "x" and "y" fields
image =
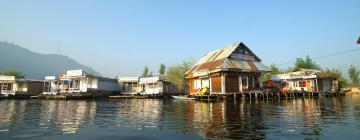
{"x": 270, "y": 83}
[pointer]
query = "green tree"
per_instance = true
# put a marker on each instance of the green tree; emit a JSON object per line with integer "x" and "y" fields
{"x": 145, "y": 72}
{"x": 162, "y": 69}
{"x": 176, "y": 74}
{"x": 274, "y": 70}
{"x": 339, "y": 75}
{"x": 15, "y": 73}
{"x": 354, "y": 75}
{"x": 306, "y": 63}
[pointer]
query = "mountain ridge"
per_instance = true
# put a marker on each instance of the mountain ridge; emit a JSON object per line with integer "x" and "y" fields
{"x": 36, "y": 65}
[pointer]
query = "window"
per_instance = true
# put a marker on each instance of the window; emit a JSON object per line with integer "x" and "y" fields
{"x": 196, "y": 84}
{"x": 205, "y": 82}
{"x": 251, "y": 81}
{"x": 6, "y": 86}
{"x": 244, "y": 81}
{"x": 257, "y": 82}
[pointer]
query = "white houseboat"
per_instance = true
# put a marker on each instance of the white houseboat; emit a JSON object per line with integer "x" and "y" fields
{"x": 129, "y": 85}
{"x": 51, "y": 85}
{"x": 157, "y": 86}
{"x": 307, "y": 80}
{"x": 22, "y": 88}
{"x": 78, "y": 81}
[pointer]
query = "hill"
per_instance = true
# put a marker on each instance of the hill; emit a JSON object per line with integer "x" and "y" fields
{"x": 35, "y": 65}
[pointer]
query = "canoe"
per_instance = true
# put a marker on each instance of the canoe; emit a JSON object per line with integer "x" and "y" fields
{"x": 182, "y": 98}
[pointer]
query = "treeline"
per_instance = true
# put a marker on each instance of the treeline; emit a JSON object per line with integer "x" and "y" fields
{"x": 174, "y": 73}
{"x": 308, "y": 63}
{"x": 17, "y": 74}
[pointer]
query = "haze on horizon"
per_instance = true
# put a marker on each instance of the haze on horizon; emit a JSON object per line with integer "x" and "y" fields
{"x": 121, "y": 37}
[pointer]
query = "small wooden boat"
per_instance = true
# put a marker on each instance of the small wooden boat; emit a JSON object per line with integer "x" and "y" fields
{"x": 182, "y": 97}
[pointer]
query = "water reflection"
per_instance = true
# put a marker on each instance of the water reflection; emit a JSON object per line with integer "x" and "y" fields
{"x": 139, "y": 114}
{"x": 304, "y": 118}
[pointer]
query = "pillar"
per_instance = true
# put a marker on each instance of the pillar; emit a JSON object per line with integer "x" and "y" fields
{"x": 240, "y": 84}
{"x": 222, "y": 83}
{"x": 210, "y": 85}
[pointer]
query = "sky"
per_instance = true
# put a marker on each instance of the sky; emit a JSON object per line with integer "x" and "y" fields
{"x": 120, "y": 37}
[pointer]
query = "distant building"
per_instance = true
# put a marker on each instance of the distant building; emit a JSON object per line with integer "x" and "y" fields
{"x": 230, "y": 70}
{"x": 308, "y": 80}
{"x": 157, "y": 86}
{"x": 78, "y": 81}
{"x": 129, "y": 85}
{"x": 9, "y": 86}
{"x": 51, "y": 85}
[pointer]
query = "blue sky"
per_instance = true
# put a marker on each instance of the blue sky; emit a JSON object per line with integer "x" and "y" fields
{"x": 120, "y": 37}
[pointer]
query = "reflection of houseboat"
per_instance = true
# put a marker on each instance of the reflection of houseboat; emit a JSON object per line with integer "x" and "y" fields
{"x": 230, "y": 70}
{"x": 20, "y": 88}
{"x": 78, "y": 82}
{"x": 307, "y": 80}
{"x": 156, "y": 86}
{"x": 51, "y": 85}
{"x": 129, "y": 85}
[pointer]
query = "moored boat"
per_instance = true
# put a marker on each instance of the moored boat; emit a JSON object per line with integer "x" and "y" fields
{"x": 180, "y": 97}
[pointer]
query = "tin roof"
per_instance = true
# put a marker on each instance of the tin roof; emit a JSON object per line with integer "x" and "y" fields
{"x": 235, "y": 56}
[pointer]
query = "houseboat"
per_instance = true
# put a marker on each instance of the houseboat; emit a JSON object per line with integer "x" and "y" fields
{"x": 51, "y": 85}
{"x": 157, "y": 86}
{"x": 78, "y": 82}
{"x": 129, "y": 85}
{"x": 234, "y": 69}
{"x": 20, "y": 88}
{"x": 307, "y": 80}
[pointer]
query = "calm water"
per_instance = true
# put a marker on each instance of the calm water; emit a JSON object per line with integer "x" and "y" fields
{"x": 315, "y": 118}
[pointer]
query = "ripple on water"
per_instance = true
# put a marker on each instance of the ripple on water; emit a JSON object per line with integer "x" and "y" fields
{"x": 274, "y": 119}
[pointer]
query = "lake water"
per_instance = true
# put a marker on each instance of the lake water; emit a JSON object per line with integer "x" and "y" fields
{"x": 304, "y": 118}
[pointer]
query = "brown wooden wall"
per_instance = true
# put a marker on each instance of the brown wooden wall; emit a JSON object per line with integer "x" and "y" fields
{"x": 232, "y": 84}
{"x": 216, "y": 83}
{"x": 35, "y": 88}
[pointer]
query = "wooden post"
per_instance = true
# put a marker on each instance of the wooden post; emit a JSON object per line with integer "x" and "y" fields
{"x": 240, "y": 84}
{"x": 317, "y": 85}
{"x": 210, "y": 85}
{"x": 222, "y": 83}
{"x": 253, "y": 81}
{"x": 261, "y": 80}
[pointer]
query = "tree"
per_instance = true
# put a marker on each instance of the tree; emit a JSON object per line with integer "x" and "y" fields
{"x": 145, "y": 72}
{"x": 354, "y": 75}
{"x": 339, "y": 75}
{"x": 162, "y": 69}
{"x": 274, "y": 70}
{"x": 306, "y": 63}
{"x": 15, "y": 73}
{"x": 176, "y": 74}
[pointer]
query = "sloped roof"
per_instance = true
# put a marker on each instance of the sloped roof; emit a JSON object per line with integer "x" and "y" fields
{"x": 224, "y": 53}
{"x": 220, "y": 59}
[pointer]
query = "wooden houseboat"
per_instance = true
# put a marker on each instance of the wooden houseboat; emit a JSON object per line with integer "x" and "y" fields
{"x": 231, "y": 70}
